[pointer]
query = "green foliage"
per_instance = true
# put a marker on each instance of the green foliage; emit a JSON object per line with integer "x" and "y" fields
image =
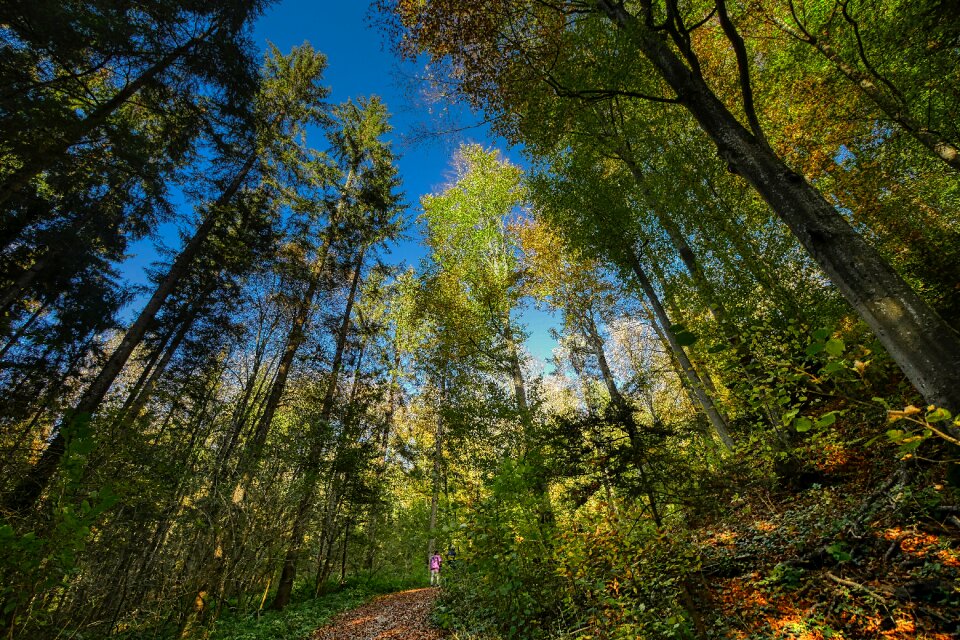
{"x": 296, "y": 622}
{"x": 626, "y": 581}
{"x": 35, "y": 563}
{"x": 504, "y": 579}
{"x": 838, "y": 550}
{"x": 783, "y": 576}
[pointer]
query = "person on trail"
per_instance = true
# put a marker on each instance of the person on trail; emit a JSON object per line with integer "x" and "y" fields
{"x": 435, "y": 562}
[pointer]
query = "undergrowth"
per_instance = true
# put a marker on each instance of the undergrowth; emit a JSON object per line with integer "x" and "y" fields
{"x": 306, "y": 613}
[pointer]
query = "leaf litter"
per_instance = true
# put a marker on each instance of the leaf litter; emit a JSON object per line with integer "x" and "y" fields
{"x": 397, "y": 616}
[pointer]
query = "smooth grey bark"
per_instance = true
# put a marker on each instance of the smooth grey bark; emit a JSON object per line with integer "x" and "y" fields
{"x": 696, "y": 383}
{"x": 674, "y": 308}
{"x": 577, "y": 363}
{"x": 684, "y": 250}
{"x": 516, "y": 373}
{"x": 925, "y": 347}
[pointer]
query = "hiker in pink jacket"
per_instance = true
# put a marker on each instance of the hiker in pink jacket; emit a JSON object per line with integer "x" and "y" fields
{"x": 435, "y": 562}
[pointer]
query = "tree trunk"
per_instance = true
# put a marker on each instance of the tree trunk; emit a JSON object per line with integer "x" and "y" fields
{"x": 154, "y": 370}
{"x": 302, "y": 517}
{"x": 703, "y": 399}
{"x": 384, "y": 442}
{"x": 596, "y": 342}
{"x": 295, "y": 339}
{"x": 28, "y": 491}
{"x": 746, "y": 248}
{"x": 435, "y": 475}
{"x": 243, "y": 409}
{"x": 343, "y": 557}
{"x": 22, "y": 329}
{"x": 677, "y": 313}
{"x": 925, "y": 347}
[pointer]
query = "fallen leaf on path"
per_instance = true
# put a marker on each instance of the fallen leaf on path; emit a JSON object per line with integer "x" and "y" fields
{"x": 397, "y": 616}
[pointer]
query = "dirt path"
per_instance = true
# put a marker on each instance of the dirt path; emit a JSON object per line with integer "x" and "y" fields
{"x": 397, "y": 616}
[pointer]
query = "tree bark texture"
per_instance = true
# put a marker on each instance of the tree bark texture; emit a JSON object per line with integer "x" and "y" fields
{"x": 925, "y": 347}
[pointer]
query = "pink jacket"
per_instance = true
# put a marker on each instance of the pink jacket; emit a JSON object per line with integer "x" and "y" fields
{"x": 435, "y": 561}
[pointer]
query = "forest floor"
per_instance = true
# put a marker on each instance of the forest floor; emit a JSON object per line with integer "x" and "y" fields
{"x": 396, "y": 616}
{"x": 853, "y": 557}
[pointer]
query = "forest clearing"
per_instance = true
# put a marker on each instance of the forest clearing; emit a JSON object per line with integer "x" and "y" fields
{"x": 480, "y": 319}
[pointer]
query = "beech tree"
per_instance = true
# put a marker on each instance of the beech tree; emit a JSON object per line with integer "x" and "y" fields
{"x": 499, "y": 48}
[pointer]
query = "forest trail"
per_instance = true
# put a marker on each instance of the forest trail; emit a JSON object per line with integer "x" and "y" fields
{"x": 397, "y": 616}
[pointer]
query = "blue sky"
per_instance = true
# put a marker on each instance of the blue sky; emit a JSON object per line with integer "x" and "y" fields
{"x": 361, "y": 64}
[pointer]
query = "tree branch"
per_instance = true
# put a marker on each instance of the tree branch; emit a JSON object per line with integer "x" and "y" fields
{"x": 740, "y": 49}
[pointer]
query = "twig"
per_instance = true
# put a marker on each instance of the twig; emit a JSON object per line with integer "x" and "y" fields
{"x": 894, "y": 547}
{"x": 856, "y": 585}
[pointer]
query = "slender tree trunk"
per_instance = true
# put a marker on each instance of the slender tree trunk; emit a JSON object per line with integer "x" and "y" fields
{"x": 542, "y": 487}
{"x": 254, "y": 449}
{"x": 746, "y": 249}
{"x": 140, "y": 400}
{"x": 435, "y": 473}
{"x": 384, "y": 441}
{"x": 917, "y": 339}
{"x": 24, "y": 327}
{"x": 157, "y": 364}
{"x": 707, "y": 292}
{"x": 245, "y": 406}
{"x": 32, "y": 485}
{"x": 295, "y": 339}
{"x": 596, "y": 342}
{"x": 700, "y": 392}
{"x": 577, "y": 363}
{"x": 702, "y": 371}
{"x": 680, "y": 244}
{"x": 302, "y": 517}
{"x": 343, "y": 557}
{"x": 626, "y": 415}
{"x": 637, "y": 447}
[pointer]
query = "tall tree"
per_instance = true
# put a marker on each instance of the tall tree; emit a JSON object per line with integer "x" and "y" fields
{"x": 493, "y": 61}
{"x": 289, "y": 99}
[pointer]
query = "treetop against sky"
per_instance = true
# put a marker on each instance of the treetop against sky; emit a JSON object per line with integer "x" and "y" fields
{"x": 361, "y": 64}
